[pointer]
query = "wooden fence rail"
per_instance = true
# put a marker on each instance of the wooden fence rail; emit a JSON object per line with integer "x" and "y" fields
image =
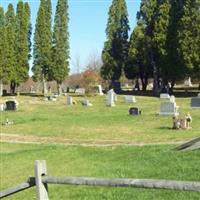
{"x": 41, "y": 181}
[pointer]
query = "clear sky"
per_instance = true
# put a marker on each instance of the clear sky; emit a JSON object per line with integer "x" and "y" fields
{"x": 87, "y": 24}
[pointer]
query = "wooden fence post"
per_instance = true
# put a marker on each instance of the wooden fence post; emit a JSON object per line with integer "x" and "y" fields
{"x": 41, "y": 188}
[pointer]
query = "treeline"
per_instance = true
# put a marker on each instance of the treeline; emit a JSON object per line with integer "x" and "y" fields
{"x": 164, "y": 45}
{"x": 50, "y": 47}
{"x": 15, "y": 43}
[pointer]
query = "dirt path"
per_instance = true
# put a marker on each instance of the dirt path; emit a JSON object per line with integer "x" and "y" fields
{"x": 27, "y": 139}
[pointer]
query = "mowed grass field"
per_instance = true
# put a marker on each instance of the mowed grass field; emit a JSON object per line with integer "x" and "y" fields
{"x": 98, "y": 125}
{"x": 156, "y": 162}
{"x": 56, "y": 119}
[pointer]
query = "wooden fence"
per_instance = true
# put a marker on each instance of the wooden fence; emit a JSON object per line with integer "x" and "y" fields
{"x": 41, "y": 181}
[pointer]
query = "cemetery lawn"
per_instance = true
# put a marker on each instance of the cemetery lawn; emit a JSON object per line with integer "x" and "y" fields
{"x": 37, "y": 119}
{"x": 151, "y": 161}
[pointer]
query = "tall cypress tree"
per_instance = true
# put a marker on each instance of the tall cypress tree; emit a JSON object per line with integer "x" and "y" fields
{"x": 22, "y": 42}
{"x": 60, "y": 64}
{"x": 138, "y": 63}
{"x": 10, "y": 45}
{"x": 42, "y": 43}
{"x": 116, "y": 46}
{"x": 189, "y": 37}
{"x": 2, "y": 49}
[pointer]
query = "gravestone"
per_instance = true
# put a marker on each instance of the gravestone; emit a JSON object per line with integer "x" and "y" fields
{"x": 188, "y": 82}
{"x": 100, "y": 91}
{"x": 110, "y": 98}
{"x": 2, "y": 107}
{"x": 164, "y": 96}
{"x": 11, "y": 105}
{"x": 168, "y": 108}
{"x": 86, "y": 103}
{"x": 195, "y": 102}
{"x": 80, "y": 91}
{"x": 134, "y": 111}
{"x": 69, "y": 100}
{"x": 172, "y": 99}
{"x": 129, "y": 99}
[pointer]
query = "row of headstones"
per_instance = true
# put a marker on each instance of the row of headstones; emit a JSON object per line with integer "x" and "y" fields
{"x": 171, "y": 108}
{"x": 110, "y": 99}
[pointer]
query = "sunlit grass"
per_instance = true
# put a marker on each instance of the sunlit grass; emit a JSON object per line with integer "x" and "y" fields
{"x": 156, "y": 162}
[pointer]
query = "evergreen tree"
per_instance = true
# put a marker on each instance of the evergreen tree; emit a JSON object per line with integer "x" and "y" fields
{"x": 22, "y": 42}
{"x": 138, "y": 64}
{"x": 10, "y": 45}
{"x": 116, "y": 46}
{"x": 42, "y": 43}
{"x": 60, "y": 66}
{"x": 189, "y": 37}
{"x": 2, "y": 48}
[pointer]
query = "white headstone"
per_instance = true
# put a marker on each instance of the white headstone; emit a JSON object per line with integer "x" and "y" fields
{"x": 80, "y": 91}
{"x": 129, "y": 99}
{"x": 164, "y": 96}
{"x": 2, "y": 107}
{"x": 188, "y": 82}
{"x": 100, "y": 90}
{"x": 86, "y": 102}
{"x": 69, "y": 100}
{"x": 172, "y": 99}
{"x": 168, "y": 108}
{"x": 110, "y": 98}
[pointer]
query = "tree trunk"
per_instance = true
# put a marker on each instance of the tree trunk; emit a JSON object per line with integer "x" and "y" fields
{"x": 44, "y": 85}
{"x": 59, "y": 89}
{"x": 172, "y": 86}
{"x": 1, "y": 88}
{"x": 12, "y": 87}
{"x": 144, "y": 81}
{"x": 155, "y": 76}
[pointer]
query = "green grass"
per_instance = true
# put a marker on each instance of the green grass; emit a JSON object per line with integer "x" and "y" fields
{"x": 99, "y": 122}
{"x": 156, "y": 162}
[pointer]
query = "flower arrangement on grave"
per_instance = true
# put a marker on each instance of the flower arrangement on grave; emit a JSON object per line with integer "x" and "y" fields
{"x": 188, "y": 118}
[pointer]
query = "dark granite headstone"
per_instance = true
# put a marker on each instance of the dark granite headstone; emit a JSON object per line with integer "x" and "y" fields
{"x": 134, "y": 111}
{"x": 195, "y": 102}
{"x": 11, "y": 105}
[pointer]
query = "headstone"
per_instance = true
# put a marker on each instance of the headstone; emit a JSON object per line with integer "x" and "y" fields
{"x": 110, "y": 98}
{"x": 129, "y": 99}
{"x": 164, "y": 96}
{"x": 172, "y": 99}
{"x": 11, "y": 105}
{"x": 86, "y": 102}
{"x": 2, "y": 107}
{"x": 188, "y": 82}
{"x": 100, "y": 90}
{"x": 69, "y": 100}
{"x": 195, "y": 102}
{"x": 80, "y": 91}
{"x": 134, "y": 111}
{"x": 168, "y": 108}
{"x": 52, "y": 98}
